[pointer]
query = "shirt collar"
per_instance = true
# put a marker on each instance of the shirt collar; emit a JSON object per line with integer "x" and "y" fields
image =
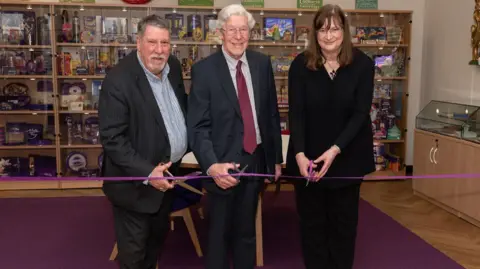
{"x": 165, "y": 71}
{"x": 232, "y": 63}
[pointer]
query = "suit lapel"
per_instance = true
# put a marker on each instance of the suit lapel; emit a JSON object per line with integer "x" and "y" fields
{"x": 227, "y": 83}
{"x": 147, "y": 93}
{"x": 254, "y": 73}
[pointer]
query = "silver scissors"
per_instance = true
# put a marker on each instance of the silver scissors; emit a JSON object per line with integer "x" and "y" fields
{"x": 182, "y": 184}
{"x": 241, "y": 171}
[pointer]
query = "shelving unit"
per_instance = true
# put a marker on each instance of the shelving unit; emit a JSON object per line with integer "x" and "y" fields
{"x": 48, "y": 88}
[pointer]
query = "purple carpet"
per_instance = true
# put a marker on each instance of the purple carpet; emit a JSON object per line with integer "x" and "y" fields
{"x": 76, "y": 233}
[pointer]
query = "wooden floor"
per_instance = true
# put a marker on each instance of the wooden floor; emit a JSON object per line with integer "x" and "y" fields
{"x": 453, "y": 236}
{"x": 456, "y": 238}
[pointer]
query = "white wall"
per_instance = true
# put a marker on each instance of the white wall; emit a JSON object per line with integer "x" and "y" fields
{"x": 447, "y": 75}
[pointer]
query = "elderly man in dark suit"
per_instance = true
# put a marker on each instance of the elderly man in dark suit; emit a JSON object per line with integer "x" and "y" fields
{"x": 233, "y": 118}
{"x": 143, "y": 132}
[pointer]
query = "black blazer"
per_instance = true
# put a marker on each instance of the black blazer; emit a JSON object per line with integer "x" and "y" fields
{"x": 323, "y": 112}
{"x": 132, "y": 132}
{"x": 215, "y": 126}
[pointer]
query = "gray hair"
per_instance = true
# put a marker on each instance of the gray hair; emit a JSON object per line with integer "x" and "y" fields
{"x": 152, "y": 20}
{"x": 234, "y": 9}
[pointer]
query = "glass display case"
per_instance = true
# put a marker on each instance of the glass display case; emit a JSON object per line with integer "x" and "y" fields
{"x": 452, "y": 119}
{"x": 55, "y": 56}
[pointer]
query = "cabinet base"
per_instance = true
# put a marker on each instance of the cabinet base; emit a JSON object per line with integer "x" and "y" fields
{"x": 448, "y": 209}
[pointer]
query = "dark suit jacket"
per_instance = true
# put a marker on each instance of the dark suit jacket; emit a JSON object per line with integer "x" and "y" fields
{"x": 323, "y": 113}
{"x": 214, "y": 122}
{"x": 133, "y": 134}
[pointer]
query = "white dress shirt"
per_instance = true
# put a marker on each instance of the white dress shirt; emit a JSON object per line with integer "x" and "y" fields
{"x": 232, "y": 66}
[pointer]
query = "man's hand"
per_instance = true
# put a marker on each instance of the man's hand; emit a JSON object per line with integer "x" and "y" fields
{"x": 278, "y": 173}
{"x": 219, "y": 172}
{"x": 161, "y": 184}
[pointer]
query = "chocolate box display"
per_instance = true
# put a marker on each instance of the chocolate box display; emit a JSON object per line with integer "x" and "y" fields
{"x": 176, "y": 25}
{"x": 22, "y": 133}
{"x": 279, "y": 29}
{"x": 72, "y": 95}
{"x": 33, "y": 165}
{"x": 76, "y": 161}
{"x": 82, "y": 132}
{"x": 14, "y": 166}
{"x": 18, "y": 27}
{"x": 43, "y": 166}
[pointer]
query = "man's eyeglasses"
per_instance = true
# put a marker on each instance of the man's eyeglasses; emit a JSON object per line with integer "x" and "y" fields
{"x": 233, "y": 31}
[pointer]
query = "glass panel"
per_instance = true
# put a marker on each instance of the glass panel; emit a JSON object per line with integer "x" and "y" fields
{"x": 450, "y": 113}
{"x": 281, "y": 36}
{"x": 27, "y": 129}
{"x": 90, "y": 41}
{"x": 379, "y": 28}
{"x": 34, "y": 161}
{"x": 25, "y": 25}
{"x": 387, "y": 110}
{"x": 27, "y": 146}
{"x": 445, "y": 118}
{"x": 81, "y": 162}
{"x": 79, "y": 129}
{"x": 389, "y": 61}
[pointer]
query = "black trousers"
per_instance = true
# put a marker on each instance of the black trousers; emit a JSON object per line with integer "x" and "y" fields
{"x": 140, "y": 236}
{"x": 231, "y": 218}
{"x": 328, "y": 224}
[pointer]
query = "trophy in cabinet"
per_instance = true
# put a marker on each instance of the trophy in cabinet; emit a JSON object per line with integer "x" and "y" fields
{"x": 475, "y": 32}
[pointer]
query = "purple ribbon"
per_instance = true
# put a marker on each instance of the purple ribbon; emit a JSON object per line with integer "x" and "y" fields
{"x": 196, "y": 175}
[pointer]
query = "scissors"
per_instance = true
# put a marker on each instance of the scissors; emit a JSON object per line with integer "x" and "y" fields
{"x": 241, "y": 171}
{"x": 310, "y": 173}
{"x": 182, "y": 184}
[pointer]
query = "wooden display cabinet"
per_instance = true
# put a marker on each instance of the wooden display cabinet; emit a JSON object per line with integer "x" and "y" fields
{"x": 85, "y": 40}
{"x": 446, "y": 144}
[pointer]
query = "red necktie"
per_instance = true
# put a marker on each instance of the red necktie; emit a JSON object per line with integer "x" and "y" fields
{"x": 249, "y": 133}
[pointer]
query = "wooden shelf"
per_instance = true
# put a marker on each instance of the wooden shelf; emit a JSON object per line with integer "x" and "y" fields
{"x": 9, "y": 46}
{"x": 31, "y": 77}
{"x": 206, "y": 43}
{"x": 390, "y": 78}
{"x": 82, "y": 77}
{"x": 380, "y": 45}
{"x": 159, "y": 5}
{"x": 28, "y": 147}
{"x": 26, "y": 112}
{"x": 389, "y": 141}
{"x": 96, "y": 45}
{"x": 86, "y": 112}
{"x": 86, "y": 146}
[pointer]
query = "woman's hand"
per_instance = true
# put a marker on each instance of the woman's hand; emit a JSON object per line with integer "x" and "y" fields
{"x": 327, "y": 159}
{"x": 303, "y": 164}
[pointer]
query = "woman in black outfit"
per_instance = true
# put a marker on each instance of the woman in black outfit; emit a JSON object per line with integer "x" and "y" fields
{"x": 330, "y": 95}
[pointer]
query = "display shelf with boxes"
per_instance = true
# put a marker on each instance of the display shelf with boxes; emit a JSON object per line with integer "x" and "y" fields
{"x": 27, "y": 96}
{"x": 447, "y": 143}
{"x": 86, "y": 40}
{"x": 385, "y": 37}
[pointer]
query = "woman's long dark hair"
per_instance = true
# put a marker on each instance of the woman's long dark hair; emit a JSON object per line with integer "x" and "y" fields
{"x": 325, "y": 15}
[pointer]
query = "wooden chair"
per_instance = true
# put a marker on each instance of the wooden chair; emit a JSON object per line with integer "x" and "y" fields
{"x": 185, "y": 200}
{"x": 185, "y": 213}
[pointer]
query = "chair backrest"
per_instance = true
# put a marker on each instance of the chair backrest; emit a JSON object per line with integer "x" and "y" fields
{"x": 185, "y": 198}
